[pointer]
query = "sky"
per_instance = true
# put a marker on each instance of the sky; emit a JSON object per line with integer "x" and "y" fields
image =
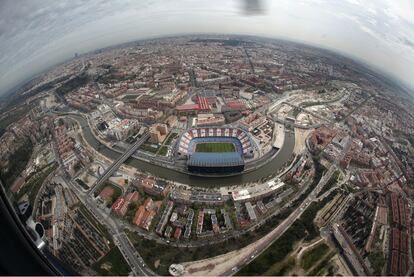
{"x": 36, "y": 34}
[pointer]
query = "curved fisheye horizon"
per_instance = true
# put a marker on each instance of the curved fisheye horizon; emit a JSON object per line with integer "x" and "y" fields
{"x": 207, "y": 138}
{"x": 41, "y": 34}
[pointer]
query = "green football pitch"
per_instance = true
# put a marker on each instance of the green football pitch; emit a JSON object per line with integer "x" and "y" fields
{"x": 215, "y": 147}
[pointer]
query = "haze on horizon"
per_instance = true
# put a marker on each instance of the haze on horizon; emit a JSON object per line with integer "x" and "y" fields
{"x": 42, "y": 33}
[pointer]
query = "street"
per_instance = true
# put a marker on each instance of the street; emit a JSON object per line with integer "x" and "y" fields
{"x": 281, "y": 228}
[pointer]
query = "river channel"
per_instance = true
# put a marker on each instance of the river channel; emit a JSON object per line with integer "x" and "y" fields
{"x": 283, "y": 155}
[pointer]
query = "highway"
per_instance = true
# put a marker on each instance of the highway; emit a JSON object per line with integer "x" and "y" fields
{"x": 121, "y": 240}
{"x": 249, "y": 59}
{"x": 130, "y": 254}
{"x": 117, "y": 163}
{"x": 281, "y": 228}
{"x": 134, "y": 260}
{"x": 169, "y": 171}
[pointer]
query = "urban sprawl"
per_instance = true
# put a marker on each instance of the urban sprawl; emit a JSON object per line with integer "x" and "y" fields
{"x": 221, "y": 155}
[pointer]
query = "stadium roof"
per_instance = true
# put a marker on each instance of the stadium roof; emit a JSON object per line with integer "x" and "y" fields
{"x": 202, "y": 159}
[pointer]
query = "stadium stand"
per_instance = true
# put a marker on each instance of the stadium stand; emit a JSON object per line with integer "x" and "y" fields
{"x": 230, "y": 162}
{"x": 239, "y": 138}
{"x": 214, "y": 162}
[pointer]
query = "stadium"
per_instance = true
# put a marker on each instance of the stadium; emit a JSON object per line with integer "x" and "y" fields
{"x": 215, "y": 150}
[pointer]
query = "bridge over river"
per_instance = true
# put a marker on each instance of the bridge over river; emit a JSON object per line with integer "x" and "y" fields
{"x": 283, "y": 156}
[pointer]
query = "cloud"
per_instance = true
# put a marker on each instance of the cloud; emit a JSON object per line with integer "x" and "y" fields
{"x": 41, "y": 33}
{"x": 408, "y": 42}
{"x": 401, "y": 10}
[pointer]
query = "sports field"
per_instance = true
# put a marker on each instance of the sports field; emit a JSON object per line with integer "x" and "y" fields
{"x": 215, "y": 147}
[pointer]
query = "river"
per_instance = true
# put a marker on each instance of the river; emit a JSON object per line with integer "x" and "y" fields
{"x": 284, "y": 154}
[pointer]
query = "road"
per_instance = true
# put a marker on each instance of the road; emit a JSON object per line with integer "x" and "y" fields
{"x": 306, "y": 111}
{"x": 117, "y": 163}
{"x": 132, "y": 257}
{"x": 170, "y": 171}
{"x": 296, "y": 125}
{"x": 356, "y": 108}
{"x": 130, "y": 254}
{"x": 121, "y": 240}
{"x": 281, "y": 228}
{"x": 249, "y": 60}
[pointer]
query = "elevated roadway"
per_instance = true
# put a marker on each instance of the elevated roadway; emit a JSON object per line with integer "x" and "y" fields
{"x": 230, "y": 263}
{"x": 118, "y": 162}
{"x": 168, "y": 170}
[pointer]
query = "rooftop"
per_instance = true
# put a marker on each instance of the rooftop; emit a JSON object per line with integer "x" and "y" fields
{"x": 215, "y": 159}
